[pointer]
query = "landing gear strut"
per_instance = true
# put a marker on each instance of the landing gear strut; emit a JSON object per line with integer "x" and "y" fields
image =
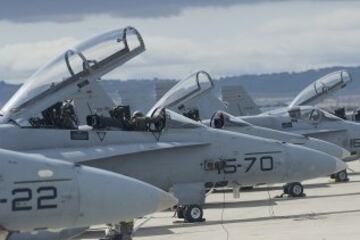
{"x": 295, "y": 189}
{"x": 122, "y": 231}
{"x": 190, "y": 213}
{"x": 341, "y": 176}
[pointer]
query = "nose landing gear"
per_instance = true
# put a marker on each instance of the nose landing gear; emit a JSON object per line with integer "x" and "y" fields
{"x": 295, "y": 189}
{"x": 190, "y": 213}
{"x": 341, "y": 176}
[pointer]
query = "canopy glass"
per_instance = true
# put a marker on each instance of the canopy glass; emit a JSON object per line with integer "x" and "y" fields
{"x": 185, "y": 90}
{"x": 318, "y": 90}
{"x": 96, "y": 56}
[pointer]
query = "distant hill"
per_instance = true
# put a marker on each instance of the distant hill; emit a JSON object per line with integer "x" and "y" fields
{"x": 259, "y": 86}
{"x": 6, "y": 91}
{"x": 288, "y": 84}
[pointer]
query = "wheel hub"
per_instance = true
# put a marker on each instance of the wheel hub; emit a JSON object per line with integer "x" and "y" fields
{"x": 195, "y": 213}
{"x": 342, "y": 176}
{"x": 297, "y": 190}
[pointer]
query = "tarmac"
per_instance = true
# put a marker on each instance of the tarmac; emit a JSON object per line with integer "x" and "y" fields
{"x": 329, "y": 211}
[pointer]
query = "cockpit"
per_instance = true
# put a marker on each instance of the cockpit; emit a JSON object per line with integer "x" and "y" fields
{"x": 184, "y": 91}
{"x": 309, "y": 114}
{"x": 59, "y": 93}
{"x": 221, "y": 119}
{"x": 175, "y": 120}
{"x": 321, "y": 88}
{"x": 46, "y": 99}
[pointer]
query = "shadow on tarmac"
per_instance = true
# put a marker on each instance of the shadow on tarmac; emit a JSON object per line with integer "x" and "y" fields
{"x": 166, "y": 229}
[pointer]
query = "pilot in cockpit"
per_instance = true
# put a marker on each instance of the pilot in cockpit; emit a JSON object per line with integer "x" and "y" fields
{"x": 60, "y": 115}
{"x": 68, "y": 116}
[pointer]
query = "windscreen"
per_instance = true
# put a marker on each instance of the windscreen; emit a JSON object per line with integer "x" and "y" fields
{"x": 312, "y": 114}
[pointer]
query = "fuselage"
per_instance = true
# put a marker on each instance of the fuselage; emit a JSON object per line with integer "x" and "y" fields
{"x": 345, "y": 134}
{"x": 214, "y": 156}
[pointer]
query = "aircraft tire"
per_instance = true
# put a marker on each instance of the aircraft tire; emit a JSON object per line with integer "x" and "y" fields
{"x": 296, "y": 189}
{"x": 341, "y": 176}
{"x": 286, "y": 188}
{"x": 193, "y": 213}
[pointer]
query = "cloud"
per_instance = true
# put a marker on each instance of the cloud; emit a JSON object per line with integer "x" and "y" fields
{"x": 257, "y": 38}
{"x": 341, "y": 19}
{"x": 70, "y": 10}
{"x": 23, "y": 58}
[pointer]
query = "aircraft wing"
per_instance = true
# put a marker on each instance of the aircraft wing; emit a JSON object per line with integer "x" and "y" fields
{"x": 82, "y": 154}
{"x": 315, "y": 132}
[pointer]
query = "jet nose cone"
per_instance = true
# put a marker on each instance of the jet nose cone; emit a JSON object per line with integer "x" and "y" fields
{"x": 108, "y": 197}
{"x": 345, "y": 154}
{"x": 340, "y": 166}
{"x": 309, "y": 163}
{"x": 327, "y": 147}
{"x": 165, "y": 201}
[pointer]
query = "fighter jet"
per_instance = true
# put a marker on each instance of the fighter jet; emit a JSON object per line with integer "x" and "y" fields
{"x": 309, "y": 121}
{"x": 187, "y": 98}
{"x": 62, "y": 112}
{"x": 39, "y": 193}
{"x": 313, "y": 121}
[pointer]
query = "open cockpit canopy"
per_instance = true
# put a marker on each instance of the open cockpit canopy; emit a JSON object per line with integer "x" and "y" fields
{"x": 321, "y": 88}
{"x": 75, "y": 67}
{"x": 185, "y": 90}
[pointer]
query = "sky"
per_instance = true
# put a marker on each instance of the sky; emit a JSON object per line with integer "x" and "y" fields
{"x": 225, "y": 37}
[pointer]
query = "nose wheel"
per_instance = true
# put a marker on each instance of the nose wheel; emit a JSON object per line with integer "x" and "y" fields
{"x": 341, "y": 176}
{"x": 295, "y": 189}
{"x": 190, "y": 213}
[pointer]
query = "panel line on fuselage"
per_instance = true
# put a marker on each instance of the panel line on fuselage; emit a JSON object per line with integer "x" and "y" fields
{"x": 44, "y": 181}
{"x": 258, "y": 153}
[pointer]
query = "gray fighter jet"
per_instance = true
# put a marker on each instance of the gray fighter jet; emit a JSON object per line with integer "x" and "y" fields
{"x": 313, "y": 121}
{"x": 62, "y": 112}
{"x": 189, "y": 96}
{"x": 309, "y": 121}
{"x": 41, "y": 193}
